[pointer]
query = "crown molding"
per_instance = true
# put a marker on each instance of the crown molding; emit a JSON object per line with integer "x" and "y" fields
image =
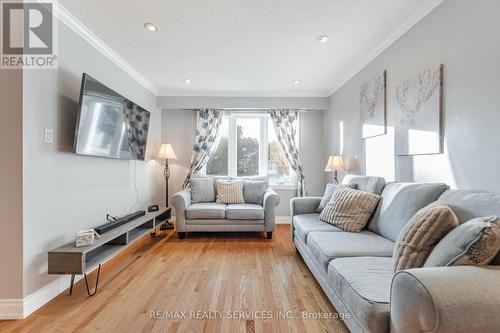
{"x": 426, "y": 8}
{"x": 74, "y": 24}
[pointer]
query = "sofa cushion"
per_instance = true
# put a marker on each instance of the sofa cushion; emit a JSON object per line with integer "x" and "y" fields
{"x": 475, "y": 242}
{"x": 364, "y": 285}
{"x": 206, "y": 210}
{"x": 398, "y": 203}
{"x": 326, "y": 246}
{"x": 306, "y": 223}
{"x": 230, "y": 191}
{"x": 215, "y": 224}
{"x": 202, "y": 190}
{"x": 253, "y": 191}
{"x": 244, "y": 212}
{"x": 330, "y": 188}
{"x": 369, "y": 184}
{"x": 421, "y": 234}
{"x": 349, "y": 209}
{"x": 468, "y": 205}
{"x": 214, "y": 180}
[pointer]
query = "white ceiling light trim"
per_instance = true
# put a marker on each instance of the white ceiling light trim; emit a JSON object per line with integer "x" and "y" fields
{"x": 150, "y": 27}
{"x": 73, "y": 23}
{"x": 322, "y": 39}
{"x": 428, "y": 7}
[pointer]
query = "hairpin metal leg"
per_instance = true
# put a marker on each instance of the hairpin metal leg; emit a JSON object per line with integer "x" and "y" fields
{"x": 71, "y": 285}
{"x": 96, "y": 282}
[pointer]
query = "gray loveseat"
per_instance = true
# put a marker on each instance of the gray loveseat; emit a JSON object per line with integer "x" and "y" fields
{"x": 216, "y": 217}
{"x": 355, "y": 272}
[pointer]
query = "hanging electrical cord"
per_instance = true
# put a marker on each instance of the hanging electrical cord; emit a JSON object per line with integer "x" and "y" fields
{"x": 135, "y": 188}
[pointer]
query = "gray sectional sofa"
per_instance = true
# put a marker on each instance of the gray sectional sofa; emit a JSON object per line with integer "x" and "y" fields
{"x": 355, "y": 271}
{"x": 214, "y": 217}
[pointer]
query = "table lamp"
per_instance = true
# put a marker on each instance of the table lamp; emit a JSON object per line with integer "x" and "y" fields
{"x": 335, "y": 164}
{"x": 166, "y": 152}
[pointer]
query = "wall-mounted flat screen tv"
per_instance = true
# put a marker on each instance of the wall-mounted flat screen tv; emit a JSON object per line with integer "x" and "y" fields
{"x": 108, "y": 124}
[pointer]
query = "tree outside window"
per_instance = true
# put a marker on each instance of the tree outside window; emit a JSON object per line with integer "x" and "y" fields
{"x": 248, "y": 146}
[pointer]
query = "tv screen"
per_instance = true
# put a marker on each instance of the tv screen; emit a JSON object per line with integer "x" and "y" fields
{"x": 109, "y": 125}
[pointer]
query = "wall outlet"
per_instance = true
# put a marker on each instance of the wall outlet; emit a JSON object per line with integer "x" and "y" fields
{"x": 49, "y": 135}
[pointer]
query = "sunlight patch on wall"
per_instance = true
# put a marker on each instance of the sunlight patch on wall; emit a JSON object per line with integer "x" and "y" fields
{"x": 434, "y": 168}
{"x": 379, "y": 156}
{"x": 341, "y": 137}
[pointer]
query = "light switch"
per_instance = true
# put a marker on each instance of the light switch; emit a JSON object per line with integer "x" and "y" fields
{"x": 49, "y": 135}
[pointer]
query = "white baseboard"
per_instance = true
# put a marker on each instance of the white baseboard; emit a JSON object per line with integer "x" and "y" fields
{"x": 22, "y": 307}
{"x": 283, "y": 219}
{"x": 11, "y": 308}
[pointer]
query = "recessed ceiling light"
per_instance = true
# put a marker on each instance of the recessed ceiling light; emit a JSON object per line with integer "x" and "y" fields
{"x": 150, "y": 27}
{"x": 296, "y": 81}
{"x": 322, "y": 39}
{"x": 187, "y": 81}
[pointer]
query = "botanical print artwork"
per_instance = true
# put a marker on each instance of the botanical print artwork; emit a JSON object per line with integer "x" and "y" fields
{"x": 418, "y": 107}
{"x": 372, "y": 106}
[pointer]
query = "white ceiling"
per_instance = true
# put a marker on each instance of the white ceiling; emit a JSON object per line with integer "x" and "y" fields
{"x": 248, "y": 47}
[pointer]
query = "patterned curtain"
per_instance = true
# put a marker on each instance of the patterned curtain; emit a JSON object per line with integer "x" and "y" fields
{"x": 285, "y": 122}
{"x": 207, "y": 132}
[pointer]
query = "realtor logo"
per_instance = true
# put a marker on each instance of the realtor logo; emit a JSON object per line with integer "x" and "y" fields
{"x": 28, "y": 35}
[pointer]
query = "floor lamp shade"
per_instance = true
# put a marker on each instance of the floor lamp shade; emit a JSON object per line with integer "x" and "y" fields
{"x": 166, "y": 152}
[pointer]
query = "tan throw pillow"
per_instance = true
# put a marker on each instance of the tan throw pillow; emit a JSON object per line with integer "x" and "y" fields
{"x": 230, "y": 191}
{"x": 349, "y": 209}
{"x": 419, "y": 236}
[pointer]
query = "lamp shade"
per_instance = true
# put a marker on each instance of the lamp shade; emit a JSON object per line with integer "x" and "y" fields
{"x": 166, "y": 152}
{"x": 335, "y": 163}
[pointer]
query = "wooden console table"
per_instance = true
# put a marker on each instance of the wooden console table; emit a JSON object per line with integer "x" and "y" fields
{"x": 72, "y": 260}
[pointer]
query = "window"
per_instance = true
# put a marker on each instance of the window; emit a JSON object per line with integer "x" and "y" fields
{"x": 248, "y": 146}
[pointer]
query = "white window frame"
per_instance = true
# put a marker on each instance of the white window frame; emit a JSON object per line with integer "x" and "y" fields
{"x": 263, "y": 117}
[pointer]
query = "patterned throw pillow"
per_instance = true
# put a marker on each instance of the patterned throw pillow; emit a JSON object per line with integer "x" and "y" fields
{"x": 230, "y": 191}
{"x": 349, "y": 209}
{"x": 330, "y": 188}
{"x": 419, "y": 236}
{"x": 476, "y": 242}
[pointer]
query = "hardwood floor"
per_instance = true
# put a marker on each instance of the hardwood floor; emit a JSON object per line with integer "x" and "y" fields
{"x": 166, "y": 279}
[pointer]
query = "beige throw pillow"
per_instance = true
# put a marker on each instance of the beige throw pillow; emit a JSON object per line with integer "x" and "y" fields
{"x": 419, "y": 236}
{"x": 349, "y": 209}
{"x": 230, "y": 191}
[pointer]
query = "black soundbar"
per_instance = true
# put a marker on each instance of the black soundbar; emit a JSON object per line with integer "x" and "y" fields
{"x": 118, "y": 222}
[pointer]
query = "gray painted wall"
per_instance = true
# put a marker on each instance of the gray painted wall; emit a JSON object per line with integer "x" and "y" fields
{"x": 463, "y": 35}
{"x": 179, "y": 128}
{"x": 11, "y": 180}
{"x": 64, "y": 192}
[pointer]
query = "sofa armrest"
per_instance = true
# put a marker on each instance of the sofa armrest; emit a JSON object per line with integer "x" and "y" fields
{"x": 446, "y": 299}
{"x": 181, "y": 200}
{"x": 271, "y": 200}
{"x": 304, "y": 205}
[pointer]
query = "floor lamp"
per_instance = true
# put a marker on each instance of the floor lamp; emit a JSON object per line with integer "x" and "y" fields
{"x": 166, "y": 152}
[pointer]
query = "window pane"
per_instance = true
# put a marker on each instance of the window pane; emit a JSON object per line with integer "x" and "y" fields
{"x": 278, "y": 168}
{"x": 217, "y": 164}
{"x": 247, "y": 149}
